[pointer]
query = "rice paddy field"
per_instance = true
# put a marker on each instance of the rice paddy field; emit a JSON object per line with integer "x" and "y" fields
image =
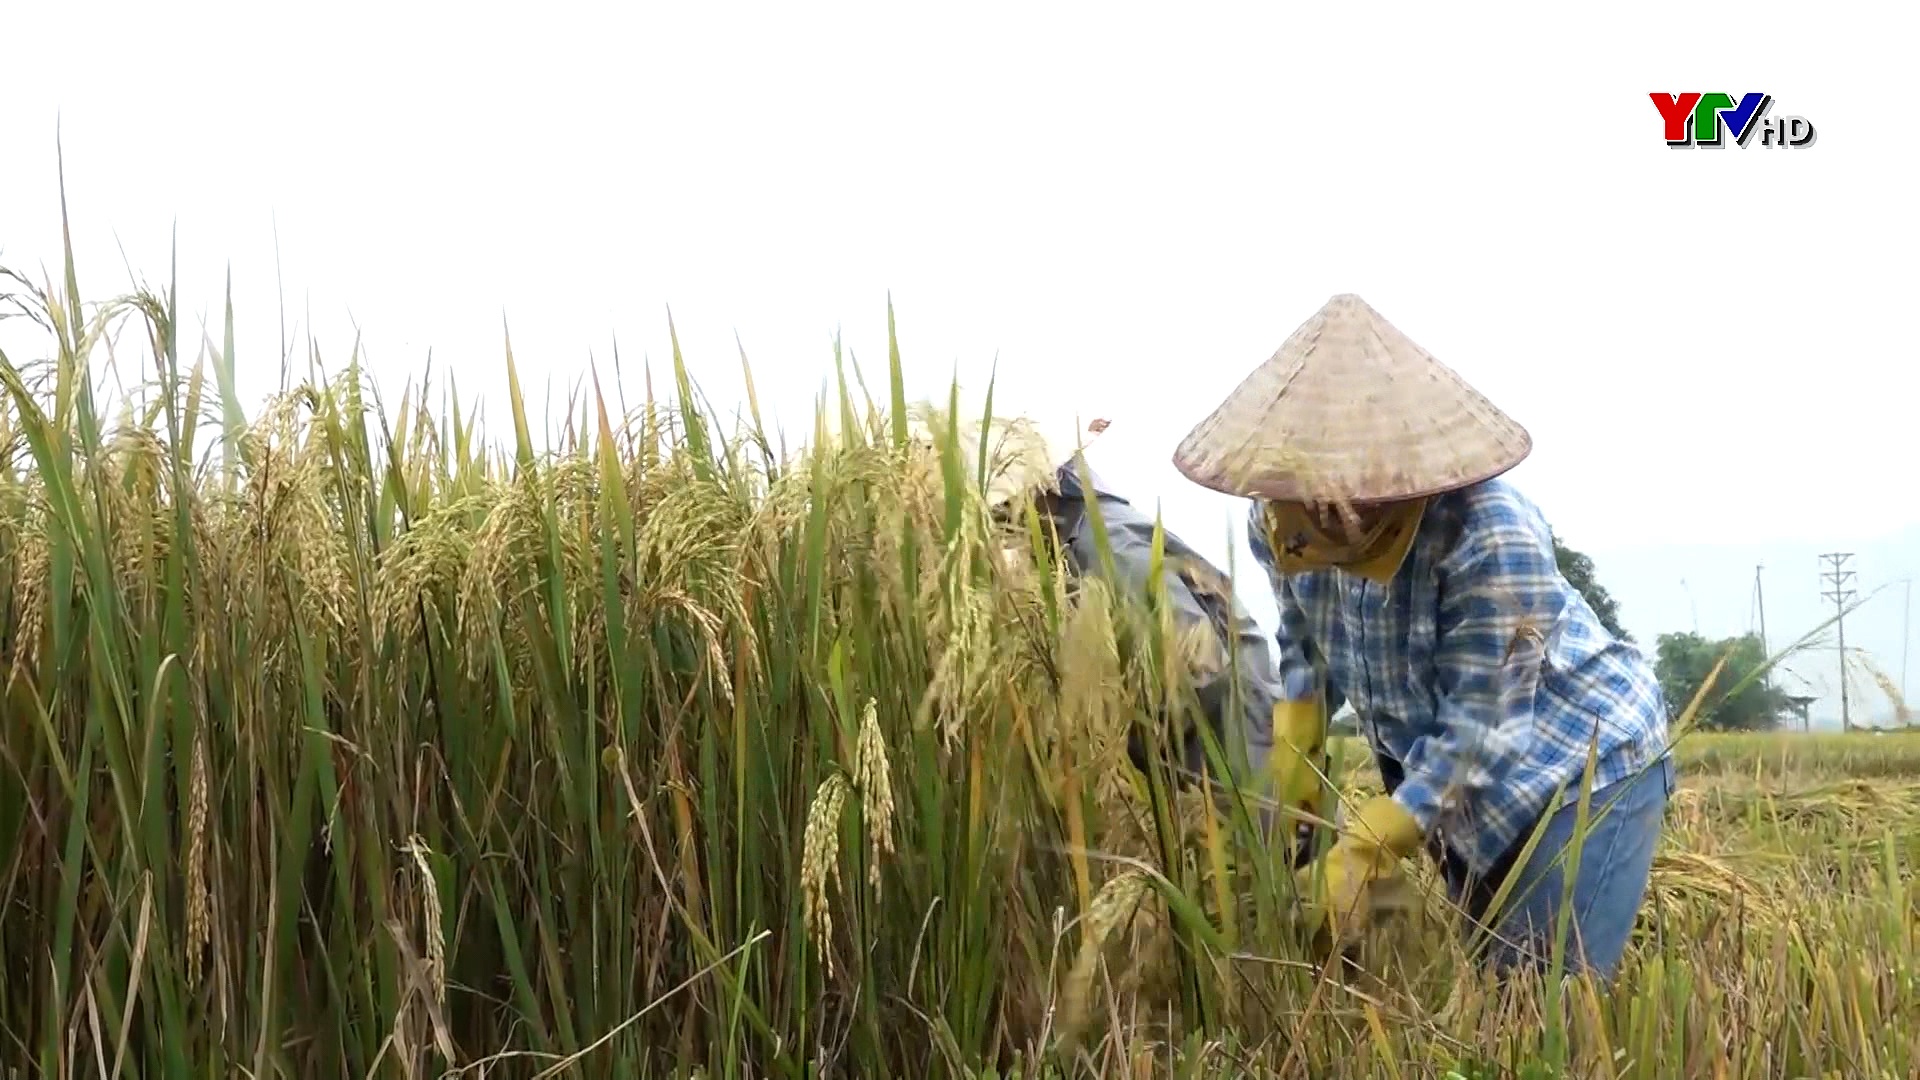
{"x": 343, "y": 738}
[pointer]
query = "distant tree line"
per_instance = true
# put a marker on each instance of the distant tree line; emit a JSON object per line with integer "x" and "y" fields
{"x": 1740, "y": 699}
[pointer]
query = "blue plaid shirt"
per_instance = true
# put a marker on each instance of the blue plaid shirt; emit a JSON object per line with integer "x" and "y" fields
{"x": 1487, "y": 721}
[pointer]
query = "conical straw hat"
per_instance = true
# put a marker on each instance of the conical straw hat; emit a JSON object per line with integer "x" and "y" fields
{"x": 1025, "y": 448}
{"x": 1350, "y": 410}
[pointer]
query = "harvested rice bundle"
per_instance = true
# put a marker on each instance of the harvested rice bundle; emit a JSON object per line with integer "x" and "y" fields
{"x": 1684, "y": 878}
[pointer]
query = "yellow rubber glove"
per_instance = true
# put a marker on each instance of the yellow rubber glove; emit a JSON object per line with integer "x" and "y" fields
{"x": 1361, "y": 864}
{"x": 1299, "y": 744}
{"x": 1296, "y": 767}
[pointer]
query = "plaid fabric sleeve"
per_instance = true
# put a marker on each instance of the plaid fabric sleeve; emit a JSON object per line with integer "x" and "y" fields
{"x": 1499, "y": 602}
{"x": 1298, "y": 679}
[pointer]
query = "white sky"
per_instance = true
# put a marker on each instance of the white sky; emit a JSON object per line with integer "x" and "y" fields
{"x": 1127, "y": 207}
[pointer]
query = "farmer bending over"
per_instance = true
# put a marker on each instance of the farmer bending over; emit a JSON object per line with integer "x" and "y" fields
{"x": 1419, "y": 587}
{"x": 1038, "y": 454}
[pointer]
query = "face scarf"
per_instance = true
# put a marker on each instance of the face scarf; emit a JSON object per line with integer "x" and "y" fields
{"x": 1300, "y": 542}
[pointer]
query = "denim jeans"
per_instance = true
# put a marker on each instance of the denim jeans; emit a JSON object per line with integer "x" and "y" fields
{"x": 1616, "y": 862}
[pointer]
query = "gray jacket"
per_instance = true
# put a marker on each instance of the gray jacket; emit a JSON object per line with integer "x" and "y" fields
{"x": 1195, "y": 600}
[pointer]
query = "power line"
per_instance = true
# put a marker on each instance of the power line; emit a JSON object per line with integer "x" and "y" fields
{"x": 1766, "y": 656}
{"x": 1906, "y": 638}
{"x": 1840, "y": 593}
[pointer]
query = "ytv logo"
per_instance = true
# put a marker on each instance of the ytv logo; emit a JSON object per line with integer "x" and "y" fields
{"x": 1709, "y": 119}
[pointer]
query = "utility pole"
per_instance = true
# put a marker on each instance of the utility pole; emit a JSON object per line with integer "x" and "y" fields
{"x": 1840, "y": 594}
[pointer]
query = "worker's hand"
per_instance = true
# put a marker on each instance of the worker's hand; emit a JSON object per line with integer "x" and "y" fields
{"x": 1362, "y": 868}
